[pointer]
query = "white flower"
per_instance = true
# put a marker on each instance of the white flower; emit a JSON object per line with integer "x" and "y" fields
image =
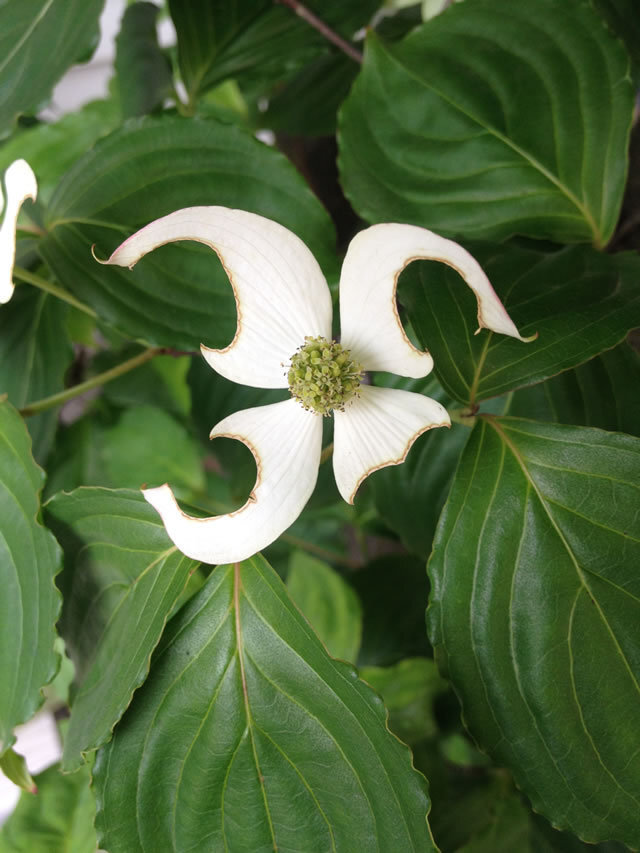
{"x": 20, "y": 184}
{"x": 283, "y": 299}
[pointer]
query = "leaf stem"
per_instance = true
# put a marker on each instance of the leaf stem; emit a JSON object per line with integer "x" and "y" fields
{"x": 53, "y": 289}
{"x": 313, "y": 20}
{"x": 95, "y": 382}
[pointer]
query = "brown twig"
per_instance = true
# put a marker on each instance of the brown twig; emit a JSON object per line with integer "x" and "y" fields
{"x": 313, "y": 20}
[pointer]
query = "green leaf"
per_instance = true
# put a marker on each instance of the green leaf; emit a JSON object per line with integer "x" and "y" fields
{"x": 15, "y": 768}
{"x": 59, "y": 818}
{"x": 409, "y": 689}
{"x": 51, "y": 149}
{"x": 160, "y": 382}
{"x": 409, "y": 497}
{"x": 248, "y": 736}
{"x": 622, "y": 17}
{"x": 29, "y": 561}
{"x": 35, "y": 353}
{"x": 500, "y": 118}
{"x": 122, "y": 576}
{"x": 601, "y": 393}
{"x": 39, "y": 40}
{"x": 534, "y": 615}
{"x": 77, "y": 458}
{"x": 179, "y": 295}
{"x": 143, "y": 71}
{"x": 328, "y": 602}
{"x": 307, "y": 104}
{"x": 393, "y": 591}
{"x": 579, "y": 301}
{"x": 219, "y": 40}
{"x": 149, "y": 447}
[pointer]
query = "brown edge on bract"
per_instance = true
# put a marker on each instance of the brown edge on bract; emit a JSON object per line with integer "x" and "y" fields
{"x": 394, "y": 305}
{"x": 109, "y": 262}
{"x": 398, "y": 461}
{"x": 254, "y": 452}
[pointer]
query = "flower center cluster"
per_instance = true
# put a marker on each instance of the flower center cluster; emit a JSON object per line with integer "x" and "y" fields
{"x": 323, "y": 376}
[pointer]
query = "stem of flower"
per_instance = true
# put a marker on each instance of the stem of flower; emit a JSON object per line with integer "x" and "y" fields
{"x": 95, "y": 382}
{"x": 313, "y": 20}
{"x": 53, "y": 289}
{"x": 326, "y": 453}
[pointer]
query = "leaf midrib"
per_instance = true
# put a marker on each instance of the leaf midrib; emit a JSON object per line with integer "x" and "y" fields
{"x": 493, "y": 422}
{"x": 529, "y": 158}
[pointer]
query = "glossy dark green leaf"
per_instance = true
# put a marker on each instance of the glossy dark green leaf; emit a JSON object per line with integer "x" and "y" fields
{"x": 59, "y": 818}
{"x": 409, "y": 689}
{"x": 230, "y": 38}
{"x": 579, "y": 301}
{"x": 534, "y": 612}
{"x": 409, "y": 497}
{"x": 499, "y": 118}
{"x": 143, "y": 71}
{"x": 179, "y": 295}
{"x": 39, "y": 40}
{"x": 393, "y": 590}
{"x": 601, "y": 393}
{"x": 307, "y": 104}
{"x": 328, "y": 602}
{"x": 248, "y": 736}
{"x": 29, "y": 561}
{"x": 122, "y": 577}
{"x": 622, "y": 17}
{"x": 35, "y": 353}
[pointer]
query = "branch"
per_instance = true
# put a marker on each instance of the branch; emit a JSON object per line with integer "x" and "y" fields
{"x": 95, "y": 382}
{"x": 313, "y": 20}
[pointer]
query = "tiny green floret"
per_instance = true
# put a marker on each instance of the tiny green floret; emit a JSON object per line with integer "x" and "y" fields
{"x": 323, "y": 376}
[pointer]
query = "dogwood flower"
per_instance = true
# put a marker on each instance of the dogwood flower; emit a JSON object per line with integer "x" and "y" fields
{"x": 20, "y": 184}
{"x": 283, "y": 339}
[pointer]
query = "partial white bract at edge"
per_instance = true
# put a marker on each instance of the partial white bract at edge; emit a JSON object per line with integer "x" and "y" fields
{"x": 281, "y": 293}
{"x": 286, "y": 442}
{"x": 369, "y": 321}
{"x": 20, "y": 184}
{"x": 377, "y": 429}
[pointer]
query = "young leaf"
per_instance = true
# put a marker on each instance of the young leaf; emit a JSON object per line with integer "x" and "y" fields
{"x": 328, "y": 602}
{"x": 39, "y": 40}
{"x": 122, "y": 577}
{"x": 143, "y": 71}
{"x": 580, "y": 302}
{"x": 409, "y": 689}
{"x": 500, "y": 118}
{"x": 35, "y": 353}
{"x": 248, "y": 736}
{"x": 178, "y": 296}
{"x": 59, "y": 817}
{"x": 534, "y": 614}
{"x": 29, "y": 561}
{"x": 14, "y": 767}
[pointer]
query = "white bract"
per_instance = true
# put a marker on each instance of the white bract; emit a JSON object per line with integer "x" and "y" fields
{"x": 283, "y": 339}
{"x": 20, "y": 184}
